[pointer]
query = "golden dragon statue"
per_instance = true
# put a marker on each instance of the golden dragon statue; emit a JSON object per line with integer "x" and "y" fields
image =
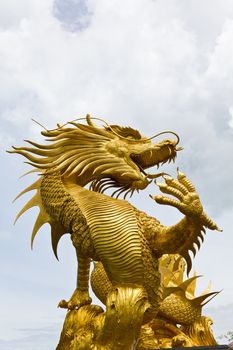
{"x": 127, "y": 243}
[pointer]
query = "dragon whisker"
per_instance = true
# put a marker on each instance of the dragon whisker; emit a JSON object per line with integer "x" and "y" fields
{"x": 119, "y": 191}
{"x": 122, "y": 191}
{"x": 130, "y": 191}
{"x": 107, "y": 188}
{"x": 106, "y": 185}
{"x": 99, "y": 184}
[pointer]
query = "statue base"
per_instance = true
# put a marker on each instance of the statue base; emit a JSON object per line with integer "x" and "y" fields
{"x": 121, "y": 327}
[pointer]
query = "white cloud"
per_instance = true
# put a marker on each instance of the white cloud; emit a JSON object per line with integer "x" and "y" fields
{"x": 43, "y": 338}
{"x": 222, "y": 317}
{"x": 231, "y": 116}
{"x": 221, "y": 65}
{"x": 5, "y": 235}
{"x": 49, "y": 70}
{"x": 6, "y": 140}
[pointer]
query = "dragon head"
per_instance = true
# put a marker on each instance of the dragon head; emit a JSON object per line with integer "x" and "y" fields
{"x": 104, "y": 157}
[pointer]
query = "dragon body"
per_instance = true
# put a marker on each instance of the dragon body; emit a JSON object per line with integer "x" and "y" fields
{"x": 108, "y": 229}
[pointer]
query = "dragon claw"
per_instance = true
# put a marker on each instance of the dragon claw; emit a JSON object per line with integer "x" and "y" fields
{"x": 167, "y": 178}
{"x": 187, "y": 200}
{"x": 78, "y": 299}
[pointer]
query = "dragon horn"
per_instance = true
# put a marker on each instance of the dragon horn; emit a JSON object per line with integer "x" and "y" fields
{"x": 167, "y": 132}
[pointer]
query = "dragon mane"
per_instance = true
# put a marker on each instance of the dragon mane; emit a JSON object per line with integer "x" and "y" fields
{"x": 76, "y": 150}
{"x": 81, "y": 150}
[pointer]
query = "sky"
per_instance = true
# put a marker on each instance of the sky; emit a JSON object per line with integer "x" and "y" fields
{"x": 154, "y": 65}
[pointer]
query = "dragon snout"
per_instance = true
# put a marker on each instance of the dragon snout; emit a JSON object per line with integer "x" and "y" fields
{"x": 160, "y": 153}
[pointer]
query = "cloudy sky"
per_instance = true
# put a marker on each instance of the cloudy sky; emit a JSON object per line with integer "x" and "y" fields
{"x": 151, "y": 64}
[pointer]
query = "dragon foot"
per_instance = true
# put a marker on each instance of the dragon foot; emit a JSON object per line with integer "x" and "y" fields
{"x": 78, "y": 299}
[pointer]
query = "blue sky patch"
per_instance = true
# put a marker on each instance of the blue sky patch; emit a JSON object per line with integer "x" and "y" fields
{"x": 73, "y": 14}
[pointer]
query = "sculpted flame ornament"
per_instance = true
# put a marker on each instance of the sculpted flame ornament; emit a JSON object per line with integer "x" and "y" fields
{"x": 142, "y": 288}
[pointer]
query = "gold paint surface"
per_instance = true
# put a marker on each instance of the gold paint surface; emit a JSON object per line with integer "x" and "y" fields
{"x": 86, "y": 173}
